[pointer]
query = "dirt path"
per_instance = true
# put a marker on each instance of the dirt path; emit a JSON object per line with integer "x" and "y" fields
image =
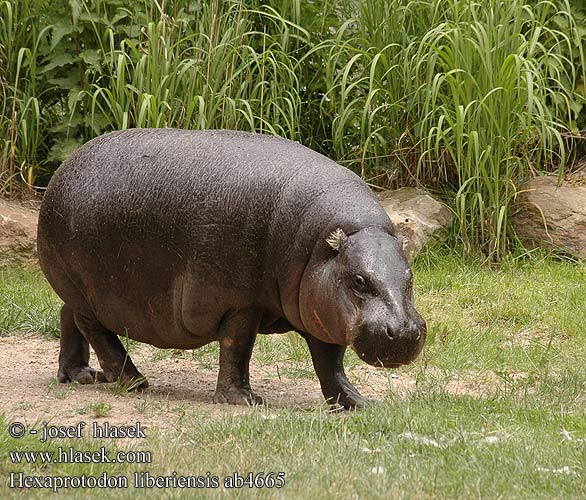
{"x": 30, "y": 392}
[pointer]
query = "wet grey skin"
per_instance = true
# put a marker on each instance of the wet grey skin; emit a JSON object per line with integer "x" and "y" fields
{"x": 180, "y": 238}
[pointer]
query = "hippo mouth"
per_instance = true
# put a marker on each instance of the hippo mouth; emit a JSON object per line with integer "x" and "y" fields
{"x": 383, "y": 363}
{"x": 378, "y": 351}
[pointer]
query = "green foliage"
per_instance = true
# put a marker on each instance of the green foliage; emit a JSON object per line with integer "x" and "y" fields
{"x": 462, "y": 96}
{"x": 98, "y": 66}
{"x": 22, "y": 125}
{"x": 471, "y": 95}
{"x": 214, "y": 70}
{"x": 575, "y": 55}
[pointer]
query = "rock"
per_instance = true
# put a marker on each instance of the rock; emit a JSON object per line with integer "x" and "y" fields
{"x": 18, "y": 230}
{"x": 552, "y": 216}
{"x": 418, "y": 217}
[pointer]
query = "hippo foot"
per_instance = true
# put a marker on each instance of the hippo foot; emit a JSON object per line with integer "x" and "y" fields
{"x": 345, "y": 402}
{"x": 237, "y": 396}
{"x": 348, "y": 398}
{"x": 80, "y": 374}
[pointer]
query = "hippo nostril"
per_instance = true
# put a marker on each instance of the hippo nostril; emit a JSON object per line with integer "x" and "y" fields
{"x": 418, "y": 338}
{"x": 390, "y": 333}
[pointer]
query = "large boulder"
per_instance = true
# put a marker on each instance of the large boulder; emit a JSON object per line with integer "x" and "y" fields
{"x": 418, "y": 217}
{"x": 18, "y": 230}
{"x": 553, "y": 216}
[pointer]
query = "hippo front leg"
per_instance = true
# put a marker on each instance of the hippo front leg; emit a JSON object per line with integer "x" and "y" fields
{"x": 329, "y": 366}
{"x": 237, "y": 335}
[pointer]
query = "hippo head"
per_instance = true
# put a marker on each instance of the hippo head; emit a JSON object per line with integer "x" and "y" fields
{"x": 361, "y": 295}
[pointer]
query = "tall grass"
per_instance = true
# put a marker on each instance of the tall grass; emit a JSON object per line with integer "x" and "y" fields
{"x": 472, "y": 95}
{"x": 21, "y": 122}
{"x": 215, "y": 70}
{"x": 461, "y": 96}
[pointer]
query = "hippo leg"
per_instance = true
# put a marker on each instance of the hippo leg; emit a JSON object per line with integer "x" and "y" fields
{"x": 237, "y": 335}
{"x": 328, "y": 363}
{"x": 74, "y": 353}
{"x": 111, "y": 354}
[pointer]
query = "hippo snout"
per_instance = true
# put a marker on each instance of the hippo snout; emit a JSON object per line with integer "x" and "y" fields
{"x": 390, "y": 343}
{"x": 408, "y": 330}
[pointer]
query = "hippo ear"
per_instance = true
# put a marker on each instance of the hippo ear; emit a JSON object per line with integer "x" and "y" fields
{"x": 337, "y": 239}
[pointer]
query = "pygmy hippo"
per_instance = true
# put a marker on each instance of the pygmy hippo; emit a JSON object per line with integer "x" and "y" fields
{"x": 179, "y": 238}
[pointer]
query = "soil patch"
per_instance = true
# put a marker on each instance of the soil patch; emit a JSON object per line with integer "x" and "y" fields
{"x": 179, "y": 385}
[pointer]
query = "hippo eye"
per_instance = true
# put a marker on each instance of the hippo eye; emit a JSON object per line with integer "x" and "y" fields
{"x": 359, "y": 283}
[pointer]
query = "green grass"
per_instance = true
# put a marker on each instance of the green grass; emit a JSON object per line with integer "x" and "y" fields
{"x": 518, "y": 314}
{"x": 98, "y": 410}
{"x": 430, "y": 445}
{"x": 497, "y": 409}
{"x": 27, "y": 303}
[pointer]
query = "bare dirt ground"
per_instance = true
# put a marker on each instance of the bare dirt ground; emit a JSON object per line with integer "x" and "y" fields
{"x": 179, "y": 385}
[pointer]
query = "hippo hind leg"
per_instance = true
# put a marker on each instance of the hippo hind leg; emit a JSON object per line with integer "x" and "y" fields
{"x": 74, "y": 353}
{"x": 112, "y": 356}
